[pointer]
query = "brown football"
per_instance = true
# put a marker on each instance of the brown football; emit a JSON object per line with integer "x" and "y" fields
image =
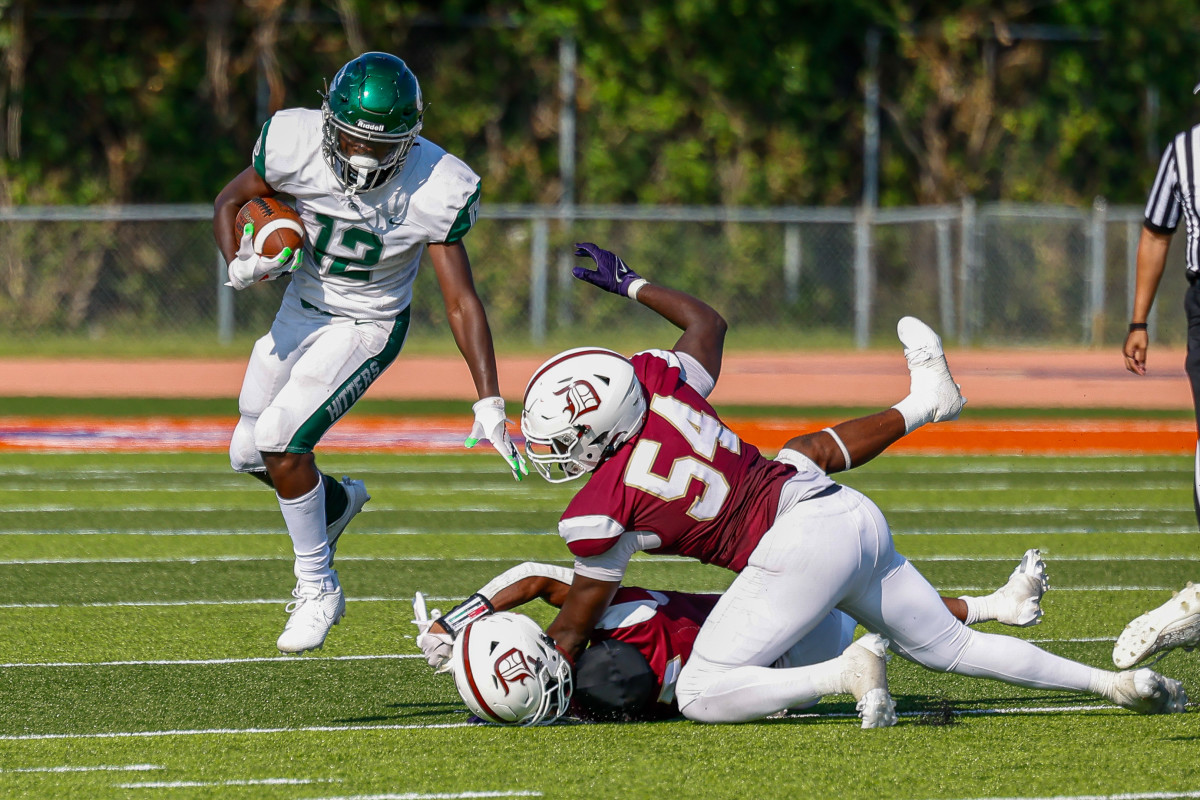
{"x": 276, "y": 226}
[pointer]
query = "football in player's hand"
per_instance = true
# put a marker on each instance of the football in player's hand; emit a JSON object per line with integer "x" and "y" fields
{"x": 276, "y": 226}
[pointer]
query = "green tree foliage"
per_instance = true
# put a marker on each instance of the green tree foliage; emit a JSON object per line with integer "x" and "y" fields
{"x": 738, "y": 102}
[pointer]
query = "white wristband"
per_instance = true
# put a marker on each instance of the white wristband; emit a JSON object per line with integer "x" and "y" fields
{"x": 842, "y": 445}
{"x": 635, "y": 287}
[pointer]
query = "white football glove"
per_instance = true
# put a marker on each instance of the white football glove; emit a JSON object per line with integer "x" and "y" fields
{"x": 247, "y": 268}
{"x": 437, "y": 647}
{"x": 490, "y": 425}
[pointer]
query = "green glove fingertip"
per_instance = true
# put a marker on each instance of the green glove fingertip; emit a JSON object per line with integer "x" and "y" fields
{"x": 248, "y": 230}
{"x": 470, "y": 442}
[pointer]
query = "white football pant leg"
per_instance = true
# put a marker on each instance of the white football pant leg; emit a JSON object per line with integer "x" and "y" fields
{"x": 903, "y": 606}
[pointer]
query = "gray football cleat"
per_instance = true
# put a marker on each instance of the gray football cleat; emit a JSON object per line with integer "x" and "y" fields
{"x": 1019, "y": 602}
{"x": 1176, "y": 623}
{"x": 865, "y": 676}
{"x": 1147, "y": 692}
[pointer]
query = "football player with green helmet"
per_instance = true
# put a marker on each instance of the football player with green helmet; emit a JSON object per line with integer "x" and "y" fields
{"x": 373, "y": 196}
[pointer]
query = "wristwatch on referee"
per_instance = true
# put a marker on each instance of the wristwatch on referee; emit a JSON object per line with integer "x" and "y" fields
{"x": 1137, "y": 326}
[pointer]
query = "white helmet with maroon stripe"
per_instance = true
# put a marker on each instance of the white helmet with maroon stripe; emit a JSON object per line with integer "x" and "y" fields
{"x": 508, "y": 671}
{"x": 580, "y": 406}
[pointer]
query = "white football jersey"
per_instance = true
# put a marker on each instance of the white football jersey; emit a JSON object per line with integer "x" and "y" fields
{"x": 362, "y": 252}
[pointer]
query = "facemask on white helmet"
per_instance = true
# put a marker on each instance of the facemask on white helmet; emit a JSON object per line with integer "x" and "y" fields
{"x": 580, "y": 406}
{"x": 507, "y": 670}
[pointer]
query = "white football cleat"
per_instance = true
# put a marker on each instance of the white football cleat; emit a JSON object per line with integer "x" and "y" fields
{"x": 316, "y": 609}
{"x": 356, "y": 498}
{"x": 1018, "y": 602}
{"x": 929, "y": 374}
{"x": 1147, "y": 692}
{"x": 865, "y": 676}
{"x": 1176, "y": 623}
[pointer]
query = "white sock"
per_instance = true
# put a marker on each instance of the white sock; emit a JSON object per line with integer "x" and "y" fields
{"x": 915, "y": 410}
{"x": 979, "y": 609}
{"x": 305, "y": 520}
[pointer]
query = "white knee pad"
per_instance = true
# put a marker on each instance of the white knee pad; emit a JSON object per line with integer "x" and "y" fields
{"x": 243, "y": 455}
{"x": 273, "y": 430}
{"x": 689, "y": 687}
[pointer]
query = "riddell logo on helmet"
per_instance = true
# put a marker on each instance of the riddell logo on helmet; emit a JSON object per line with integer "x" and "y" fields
{"x": 511, "y": 668}
{"x": 580, "y": 397}
{"x": 371, "y": 126}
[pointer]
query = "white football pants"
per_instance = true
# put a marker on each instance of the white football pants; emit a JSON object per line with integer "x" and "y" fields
{"x": 832, "y": 552}
{"x": 307, "y": 372}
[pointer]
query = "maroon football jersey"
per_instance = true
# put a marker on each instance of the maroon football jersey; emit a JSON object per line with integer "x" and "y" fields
{"x": 661, "y": 625}
{"x": 685, "y": 477}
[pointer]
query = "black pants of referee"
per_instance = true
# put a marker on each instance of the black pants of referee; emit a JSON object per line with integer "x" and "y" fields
{"x": 1191, "y": 305}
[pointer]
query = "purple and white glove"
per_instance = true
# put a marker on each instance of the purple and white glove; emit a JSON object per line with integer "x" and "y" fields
{"x": 611, "y": 273}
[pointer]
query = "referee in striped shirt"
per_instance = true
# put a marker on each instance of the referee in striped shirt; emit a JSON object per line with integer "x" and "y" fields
{"x": 1174, "y": 194}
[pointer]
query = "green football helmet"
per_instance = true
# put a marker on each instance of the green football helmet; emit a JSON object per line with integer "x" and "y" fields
{"x": 375, "y": 101}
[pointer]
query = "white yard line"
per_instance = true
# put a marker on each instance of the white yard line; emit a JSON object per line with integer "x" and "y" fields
{"x": 501, "y": 559}
{"x": 280, "y": 600}
{"x": 991, "y": 531}
{"x": 232, "y": 782}
{"x": 204, "y": 662}
{"x": 27, "y": 737}
{"x": 435, "y": 796}
{"x": 1123, "y": 796}
{"x": 99, "y": 768}
{"x": 438, "y": 726}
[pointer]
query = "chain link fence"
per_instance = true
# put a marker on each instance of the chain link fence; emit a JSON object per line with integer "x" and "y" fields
{"x": 988, "y": 275}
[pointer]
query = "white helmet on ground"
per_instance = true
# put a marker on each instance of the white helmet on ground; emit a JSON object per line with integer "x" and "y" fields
{"x": 580, "y": 406}
{"x": 508, "y": 671}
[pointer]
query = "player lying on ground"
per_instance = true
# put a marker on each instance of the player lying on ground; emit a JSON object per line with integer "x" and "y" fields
{"x": 374, "y": 196}
{"x": 1176, "y": 623}
{"x": 635, "y": 653}
{"x": 666, "y": 476}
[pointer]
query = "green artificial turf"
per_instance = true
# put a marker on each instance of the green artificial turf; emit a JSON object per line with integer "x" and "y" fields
{"x": 142, "y": 594}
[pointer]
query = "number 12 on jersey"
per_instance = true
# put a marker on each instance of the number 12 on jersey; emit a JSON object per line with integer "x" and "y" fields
{"x": 703, "y": 433}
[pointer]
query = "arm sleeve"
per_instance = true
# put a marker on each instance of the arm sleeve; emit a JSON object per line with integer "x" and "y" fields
{"x": 611, "y": 564}
{"x": 690, "y": 371}
{"x": 1162, "y": 207}
{"x": 522, "y": 571}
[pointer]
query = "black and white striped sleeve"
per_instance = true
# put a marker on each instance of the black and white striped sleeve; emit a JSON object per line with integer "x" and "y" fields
{"x": 1163, "y": 207}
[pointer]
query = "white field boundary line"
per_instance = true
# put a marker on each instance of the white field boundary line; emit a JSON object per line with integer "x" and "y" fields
{"x": 98, "y": 768}
{"x": 16, "y": 562}
{"x": 259, "y": 601}
{"x": 26, "y": 737}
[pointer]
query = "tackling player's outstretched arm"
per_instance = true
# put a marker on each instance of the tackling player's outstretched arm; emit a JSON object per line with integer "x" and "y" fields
{"x": 703, "y": 328}
{"x": 582, "y": 608}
